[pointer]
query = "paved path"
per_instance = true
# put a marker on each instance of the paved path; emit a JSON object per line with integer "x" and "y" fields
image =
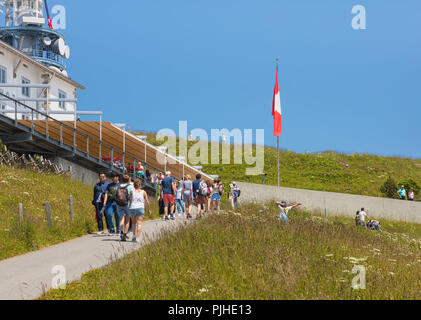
{"x": 28, "y": 276}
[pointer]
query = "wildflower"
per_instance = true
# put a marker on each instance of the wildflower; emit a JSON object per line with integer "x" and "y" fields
{"x": 203, "y": 290}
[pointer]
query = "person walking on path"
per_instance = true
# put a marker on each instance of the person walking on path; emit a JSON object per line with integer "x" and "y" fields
{"x": 138, "y": 199}
{"x": 283, "y": 210}
{"x": 200, "y": 190}
{"x": 111, "y": 206}
{"x": 411, "y": 195}
{"x": 188, "y": 195}
{"x": 402, "y": 193}
{"x": 216, "y": 196}
{"x": 236, "y": 196}
{"x": 98, "y": 201}
{"x": 208, "y": 201}
{"x": 123, "y": 200}
{"x": 181, "y": 208}
{"x": 169, "y": 191}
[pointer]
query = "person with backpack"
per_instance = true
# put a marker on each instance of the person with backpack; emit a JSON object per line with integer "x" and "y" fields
{"x": 123, "y": 201}
{"x": 200, "y": 191}
{"x": 110, "y": 206}
{"x": 138, "y": 199}
{"x": 98, "y": 201}
{"x": 169, "y": 191}
{"x": 188, "y": 195}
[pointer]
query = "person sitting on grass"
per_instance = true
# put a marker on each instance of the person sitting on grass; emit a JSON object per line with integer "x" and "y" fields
{"x": 375, "y": 225}
{"x": 283, "y": 210}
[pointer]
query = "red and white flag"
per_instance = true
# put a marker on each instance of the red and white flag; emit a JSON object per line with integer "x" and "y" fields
{"x": 276, "y": 108}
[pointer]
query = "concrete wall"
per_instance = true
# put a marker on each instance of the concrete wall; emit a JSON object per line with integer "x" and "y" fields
{"x": 335, "y": 203}
{"x": 79, "y": 173}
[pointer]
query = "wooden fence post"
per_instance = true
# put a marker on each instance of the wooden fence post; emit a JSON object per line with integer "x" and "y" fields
{"x": 21, "y": 212}
{"x": 71, "y": 208}
{"x": 48, "y": 213}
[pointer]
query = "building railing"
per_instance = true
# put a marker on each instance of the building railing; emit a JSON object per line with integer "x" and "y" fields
{"x": 65, "y": 135}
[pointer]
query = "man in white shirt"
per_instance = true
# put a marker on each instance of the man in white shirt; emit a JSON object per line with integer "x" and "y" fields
{"x": 363, "y": 216}
{"x": 283, "y": 210}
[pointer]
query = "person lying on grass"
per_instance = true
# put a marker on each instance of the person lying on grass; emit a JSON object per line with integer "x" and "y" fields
{"x": 283, "y": 210}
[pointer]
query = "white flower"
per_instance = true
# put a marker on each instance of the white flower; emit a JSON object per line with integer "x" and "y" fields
{"x": 203, "y": 290}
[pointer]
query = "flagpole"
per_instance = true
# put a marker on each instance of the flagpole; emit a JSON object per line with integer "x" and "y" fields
{"x": 278, "y": 163}
{"x": 277, "y": 140}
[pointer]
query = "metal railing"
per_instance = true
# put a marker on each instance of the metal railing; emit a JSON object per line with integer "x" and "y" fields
{"x": 63, "y": 133}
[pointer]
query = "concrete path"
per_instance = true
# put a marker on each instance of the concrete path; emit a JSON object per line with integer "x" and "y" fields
{"x": 29, "y": 276}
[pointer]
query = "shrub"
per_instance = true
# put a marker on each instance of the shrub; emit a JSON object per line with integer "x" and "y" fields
{"x": 389, "y": 188}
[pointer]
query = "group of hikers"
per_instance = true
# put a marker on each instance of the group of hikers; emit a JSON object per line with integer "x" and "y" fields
{"x": 403, "y": 195}
{"x": 181, "y": 195}
{"x": 123, "y": 202}
{"x": 361, "y": 219}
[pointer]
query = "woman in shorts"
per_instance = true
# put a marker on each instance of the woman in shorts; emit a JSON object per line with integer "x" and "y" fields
{"x": 138, "y": 198}
{"x": 216, "y": 197}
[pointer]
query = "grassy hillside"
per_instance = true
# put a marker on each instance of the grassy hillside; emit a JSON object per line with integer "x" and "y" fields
{"x": 356, "y": 174}
{"x": 33, "y": 190}
{"x": 249, "y": 254}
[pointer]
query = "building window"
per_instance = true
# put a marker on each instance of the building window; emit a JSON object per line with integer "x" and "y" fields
{"x": 62, "y": 95}
{"x": 26, "y": 91}
{"x": 3, "y": 75}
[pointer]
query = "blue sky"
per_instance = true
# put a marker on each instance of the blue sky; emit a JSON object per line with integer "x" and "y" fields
{"x": 152, "y": 63}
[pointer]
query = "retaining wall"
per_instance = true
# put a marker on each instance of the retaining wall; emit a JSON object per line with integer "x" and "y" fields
{"x": 335, "y": 203}
{"x": 79, "y": 173}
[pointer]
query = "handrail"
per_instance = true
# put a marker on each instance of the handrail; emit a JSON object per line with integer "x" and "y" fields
{"x": 62, "y": 125}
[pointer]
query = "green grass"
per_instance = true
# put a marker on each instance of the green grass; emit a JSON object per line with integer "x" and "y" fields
{"x": 33, "y": 190}
{"x": 360, "y": 174}
{"x": 249, "y": 254}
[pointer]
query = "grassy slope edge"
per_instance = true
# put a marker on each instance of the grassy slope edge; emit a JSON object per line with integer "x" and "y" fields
{"x": 249, "y": 254}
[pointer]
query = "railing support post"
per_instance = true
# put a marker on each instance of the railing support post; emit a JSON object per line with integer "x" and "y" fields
{"x": 61, "y": 134}
{"x": 16, "y": 113}
{"x": 87, "y": 146}
{"x": 32, "y": 123}
{"x": 74, "y": 139}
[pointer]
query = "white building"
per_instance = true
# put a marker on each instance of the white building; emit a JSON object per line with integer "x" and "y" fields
{"x": 31, "y": 54}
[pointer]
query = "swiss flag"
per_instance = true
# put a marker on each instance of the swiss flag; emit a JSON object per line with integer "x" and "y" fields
{"x": 276, "y": 108}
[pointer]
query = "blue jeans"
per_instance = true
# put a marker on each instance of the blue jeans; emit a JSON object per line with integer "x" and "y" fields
{"x": 180, "y": 206}
{"x": 109, "y": 210}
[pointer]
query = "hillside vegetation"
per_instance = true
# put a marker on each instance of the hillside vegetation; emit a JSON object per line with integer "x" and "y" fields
{"x": 250, "y": 254}
{"x": 33, "y": 190}
{"x": 329, "y": 171}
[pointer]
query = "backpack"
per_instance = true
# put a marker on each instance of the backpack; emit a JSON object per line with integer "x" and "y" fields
{"x": 203, "y": 189}
{"x": 238, "y": 193}
{"x": 221, "y": 190}
{"x": 122, "y": 199}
